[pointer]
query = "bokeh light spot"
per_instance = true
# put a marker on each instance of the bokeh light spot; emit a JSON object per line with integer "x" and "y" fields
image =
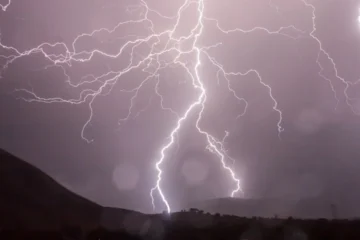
{"x": 126, "y": 176}
{"x": 309, "y": 121}
{"x": 194, "y": 171}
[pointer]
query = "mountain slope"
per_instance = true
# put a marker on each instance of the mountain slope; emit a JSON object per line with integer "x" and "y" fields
{"x": 31, "y": 199}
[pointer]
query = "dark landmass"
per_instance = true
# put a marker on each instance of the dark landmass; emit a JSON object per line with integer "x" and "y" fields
{"x": 34, "y": 206}
{"x": 31, "y": 199}
{"x": 267, "y": 208}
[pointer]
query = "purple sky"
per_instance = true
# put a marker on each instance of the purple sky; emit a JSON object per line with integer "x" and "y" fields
{"x": 316, "y": 156}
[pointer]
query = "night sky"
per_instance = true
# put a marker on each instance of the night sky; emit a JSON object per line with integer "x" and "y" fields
{"x": 316, "y": 156}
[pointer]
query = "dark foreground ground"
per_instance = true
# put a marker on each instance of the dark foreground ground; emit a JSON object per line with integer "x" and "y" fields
{"x": 195, "y": 225}
{"x": 35, "y": 206}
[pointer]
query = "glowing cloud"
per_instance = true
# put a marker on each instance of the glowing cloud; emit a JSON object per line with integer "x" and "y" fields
{"x": 162, "y": 43}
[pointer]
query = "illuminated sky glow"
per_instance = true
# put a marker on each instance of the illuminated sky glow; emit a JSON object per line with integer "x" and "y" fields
{"x": 168, "y": 42}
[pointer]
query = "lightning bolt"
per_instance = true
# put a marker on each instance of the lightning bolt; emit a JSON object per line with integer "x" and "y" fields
{"x": 4, "y": 7}
{"x": 326, "y": 54}
{"x": 185, "y": 52}
{"x": 213, "y": 145}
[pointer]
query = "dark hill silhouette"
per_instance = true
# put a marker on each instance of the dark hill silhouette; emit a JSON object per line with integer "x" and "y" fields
{"x": 34, "y": 206}
{"x": 31, "y": 199}
{"x": 303, "y": 208}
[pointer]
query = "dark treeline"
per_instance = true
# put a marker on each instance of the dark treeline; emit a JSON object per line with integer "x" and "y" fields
{"x": 195, "y": 224}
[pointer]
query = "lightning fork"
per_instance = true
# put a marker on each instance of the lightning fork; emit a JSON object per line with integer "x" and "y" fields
{"x": 151, "y": 64}
{"x": 5, "y": 6}
{"x": 332, "y": 61}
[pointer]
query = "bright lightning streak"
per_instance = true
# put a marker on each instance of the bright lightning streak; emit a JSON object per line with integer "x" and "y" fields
{"x": 109, "y": 79}
{"x": 151, "y": 63}
{"x": 200, "y": 101}
{"x": 213, "y": 144}
{"x": 4, "y": 7}
{"x": 325, "y": 53}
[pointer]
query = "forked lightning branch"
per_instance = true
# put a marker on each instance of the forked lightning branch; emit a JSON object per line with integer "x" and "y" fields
{"x": 150, "y": 63}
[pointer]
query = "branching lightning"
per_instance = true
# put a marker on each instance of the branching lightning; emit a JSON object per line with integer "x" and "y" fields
{"x": 4, "y": 7}
{"x": 151, "y": 64}
{"x": 325, "y": 53}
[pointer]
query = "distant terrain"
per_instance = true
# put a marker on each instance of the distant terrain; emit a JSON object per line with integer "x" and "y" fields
{"x": 34, "y": 206}
{"x": 306, "y": 208}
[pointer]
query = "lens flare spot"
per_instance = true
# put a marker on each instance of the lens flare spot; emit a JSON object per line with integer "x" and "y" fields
{"x": 125, "y": 177}
{"x": 194, "y": 172}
